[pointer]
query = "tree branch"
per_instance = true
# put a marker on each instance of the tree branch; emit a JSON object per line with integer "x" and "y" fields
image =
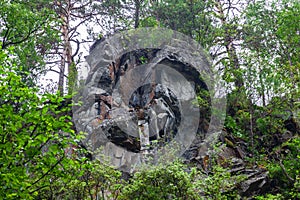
{"x": 291, "y": 180}
{"x": 45, "y": 174}
{"x": 77, "y": 48}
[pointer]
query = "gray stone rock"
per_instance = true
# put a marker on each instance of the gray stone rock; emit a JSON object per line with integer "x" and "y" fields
{"x": 143, "y": 97}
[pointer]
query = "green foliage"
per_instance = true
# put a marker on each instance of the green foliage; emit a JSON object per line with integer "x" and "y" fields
{"x": 188, "y": 17}
{"x": 34, "y": 135}
{"x": 238, "y": 117}
{"x": 268, "y": 124}
{"x": 219, "y": 185}
{"x": 175, "y": 181}
{"x": 232, "y": 126}
{"x": 39, "y": 155}
{"x": 86, "y": 180}
{"x": 28, "y": 28}
{"x": 285, "y": 168}
{"x": 295, "y": 193}
{"x": 149, "y": 22}
{"x": 270, "y": 197}
{"x": 272, "y": 48}
{"x": 203, "y": 98}
{"x": 160, "y": 182}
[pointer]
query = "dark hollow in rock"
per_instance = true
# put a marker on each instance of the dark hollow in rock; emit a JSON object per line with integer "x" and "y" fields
{"x": 147, "y": 102}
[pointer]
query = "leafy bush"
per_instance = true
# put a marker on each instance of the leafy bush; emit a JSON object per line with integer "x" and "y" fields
{"x": 39, "y": 153}
{"x": 161, "y": 182}
{"x": 285, "y": 168}
{"x": 34, "y": 133}
{"x": 219, "y": 185}
{"x": 175, "y": 182}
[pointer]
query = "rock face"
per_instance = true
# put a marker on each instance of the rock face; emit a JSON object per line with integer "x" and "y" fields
{"x": 231, "y": 155}
{"x": 140, "y": 117}
{"x": 141, "y": 105}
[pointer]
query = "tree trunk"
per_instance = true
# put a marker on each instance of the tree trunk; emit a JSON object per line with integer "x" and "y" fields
{"x": 65, "y": 33}
{"x": 66, "y": 58}
{"x": 230, "y": 48}
{"x": 137, "y": 13}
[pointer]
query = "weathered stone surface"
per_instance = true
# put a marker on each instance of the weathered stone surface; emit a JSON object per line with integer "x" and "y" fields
{"x": 116, "y": 111}
{"x": 229, "y": 155}
{"x": 140, "y": 94}
{"x": 138, "y": 102}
